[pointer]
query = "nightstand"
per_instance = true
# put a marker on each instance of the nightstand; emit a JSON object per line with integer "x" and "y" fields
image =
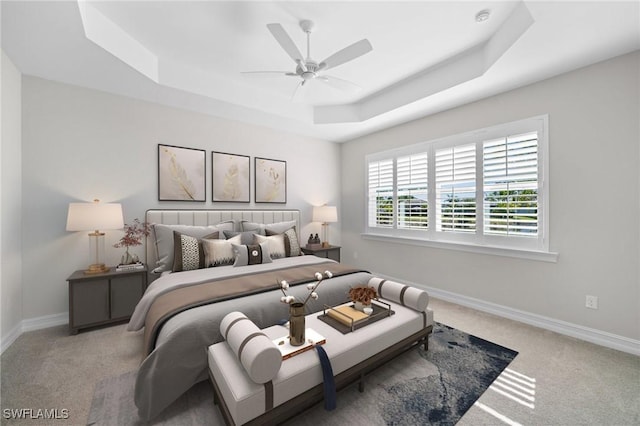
{"x": 331, "y": 252}
{"x": 97, "y": 299}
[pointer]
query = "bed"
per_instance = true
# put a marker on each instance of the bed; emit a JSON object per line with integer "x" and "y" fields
{"x": 181, "y": 309}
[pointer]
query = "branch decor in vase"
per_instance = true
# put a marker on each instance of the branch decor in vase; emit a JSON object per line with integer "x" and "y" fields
{"x": 132, "y": 237}
{"x": 296, "y": 308}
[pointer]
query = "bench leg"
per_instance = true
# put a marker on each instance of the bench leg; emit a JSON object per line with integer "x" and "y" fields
{"x": 361, "y": 383}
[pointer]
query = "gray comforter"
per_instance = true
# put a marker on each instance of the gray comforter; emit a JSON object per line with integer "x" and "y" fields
{"x": 179, "y": 359}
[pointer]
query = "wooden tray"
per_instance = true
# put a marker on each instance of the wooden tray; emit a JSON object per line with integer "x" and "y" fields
{"x": 381, "y": 310}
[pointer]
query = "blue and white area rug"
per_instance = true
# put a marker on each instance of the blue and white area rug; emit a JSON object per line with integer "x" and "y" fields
{"x": 435, "y": 387}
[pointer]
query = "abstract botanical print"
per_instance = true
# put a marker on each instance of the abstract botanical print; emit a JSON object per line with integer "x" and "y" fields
{"x": 271, "y": 181}
{"x": 181, "y": 174}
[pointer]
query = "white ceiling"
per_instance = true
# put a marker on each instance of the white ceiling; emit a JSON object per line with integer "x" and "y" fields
{"x": 427, "y": 56}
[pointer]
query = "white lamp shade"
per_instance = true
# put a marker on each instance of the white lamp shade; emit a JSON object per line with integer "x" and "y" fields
{"x": 325, "y": 214}
{"x": 94, "y": 216}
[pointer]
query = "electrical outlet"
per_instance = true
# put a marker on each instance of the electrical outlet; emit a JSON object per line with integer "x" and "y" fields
{"x": 592, "y": 302}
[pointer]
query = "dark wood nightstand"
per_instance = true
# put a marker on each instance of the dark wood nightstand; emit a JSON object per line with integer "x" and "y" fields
{"x": 97, "y": 299}
{"x": 331, "y": 252}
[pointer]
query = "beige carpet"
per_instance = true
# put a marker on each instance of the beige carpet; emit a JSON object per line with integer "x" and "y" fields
{"x": 575, "y": 382}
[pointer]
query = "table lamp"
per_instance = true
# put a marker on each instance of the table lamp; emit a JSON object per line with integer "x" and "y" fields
{"x": 94, "y": 217}
{"x": 325, "y": 214}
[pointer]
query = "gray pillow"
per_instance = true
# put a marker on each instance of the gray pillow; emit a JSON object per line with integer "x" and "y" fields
{"x": 252, "y": 254}
{"x": 163, "y": 236}
{"x": 278, "y": 227}
{"x": 246, "y": 237}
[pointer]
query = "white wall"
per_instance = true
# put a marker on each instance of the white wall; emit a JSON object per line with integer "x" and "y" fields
{"x": 81, "y": 144}
{"x": 10, "y": 202}
{"x": 594, "y": 203}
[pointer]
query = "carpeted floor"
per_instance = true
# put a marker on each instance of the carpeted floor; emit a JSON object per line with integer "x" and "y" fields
{"x": 554, "y": 380}
{"x": 419, "y": 387}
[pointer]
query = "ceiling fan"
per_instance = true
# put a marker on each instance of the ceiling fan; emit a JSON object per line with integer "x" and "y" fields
{"x": 308, "y": 69}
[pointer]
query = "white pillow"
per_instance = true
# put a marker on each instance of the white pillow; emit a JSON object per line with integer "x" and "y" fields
{"x": 259, "y": 356}
{"x": 275, "y": 244}
{"x": 408, "y": 296}
{"x": 219, "y": 252}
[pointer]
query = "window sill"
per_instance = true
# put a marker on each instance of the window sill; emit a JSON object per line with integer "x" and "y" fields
{"x": 541, "y": 256}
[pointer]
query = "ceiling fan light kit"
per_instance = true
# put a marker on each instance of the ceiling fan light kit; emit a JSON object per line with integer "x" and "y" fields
{"x": 307, "y": 69}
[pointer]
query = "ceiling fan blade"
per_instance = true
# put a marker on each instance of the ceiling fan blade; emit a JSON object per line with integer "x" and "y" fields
{"x": 285, "y": 41}
{"x": 347, "y": 54}
{"x": 339, "y": 83}
{"x": 265, "y": 73}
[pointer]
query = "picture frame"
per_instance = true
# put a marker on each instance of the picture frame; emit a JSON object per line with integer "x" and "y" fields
{"x": 181, "y": 173}
{"x": 270, "y": 180}
{"x": 230, "y": 177}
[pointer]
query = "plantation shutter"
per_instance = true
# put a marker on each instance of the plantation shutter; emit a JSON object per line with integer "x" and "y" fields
{"x": 412, "y": 191}
{"x": 456, "y": 189}
{"x": 381, "y": 193}
{"x": 510, "y": 178}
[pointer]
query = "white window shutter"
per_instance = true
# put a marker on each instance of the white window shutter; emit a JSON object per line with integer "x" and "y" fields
{"x": 510, "y": 179}
{"x": 412, "y": 196}
{"x": 456, "y": 189}
{"x": 380, "y": 203}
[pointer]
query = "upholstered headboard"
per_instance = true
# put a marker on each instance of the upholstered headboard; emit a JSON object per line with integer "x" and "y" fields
{"x": 212, "y": 217}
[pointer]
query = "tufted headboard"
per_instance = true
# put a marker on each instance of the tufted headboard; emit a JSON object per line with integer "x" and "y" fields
{"x": 212, "y": 217}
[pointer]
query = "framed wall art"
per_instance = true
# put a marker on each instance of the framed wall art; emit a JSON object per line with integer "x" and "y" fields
{"x": 181, "y": 174}
{"x": 270, "y": 180}
{"x": 230, "y": 175}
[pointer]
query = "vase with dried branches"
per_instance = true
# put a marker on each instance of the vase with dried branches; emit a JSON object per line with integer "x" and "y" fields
{"x": 296, "y": 308}
{"x": 132, "y": 237}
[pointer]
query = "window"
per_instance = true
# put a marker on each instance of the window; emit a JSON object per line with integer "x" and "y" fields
{"x": 483, "y": 188}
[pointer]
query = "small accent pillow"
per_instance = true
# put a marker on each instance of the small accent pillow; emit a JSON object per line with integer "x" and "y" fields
{"x": 275, "y": 244}
{"x": 257, "y": 353}
{"x": 408, "y": 296}
{"x": 291, "y": 242}
{"x": 246, "y": 237}
{"x": 252, "y": 254}
{"x": 188, "y": 251}
{"x": 219, "y": 252}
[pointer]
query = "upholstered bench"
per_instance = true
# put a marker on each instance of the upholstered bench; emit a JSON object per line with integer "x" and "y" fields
{"x": 257, "y": 387}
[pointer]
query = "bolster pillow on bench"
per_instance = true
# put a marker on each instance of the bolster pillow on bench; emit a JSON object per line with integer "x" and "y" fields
{"x": 257, "y": 353}
{"x": 408, "y": 296}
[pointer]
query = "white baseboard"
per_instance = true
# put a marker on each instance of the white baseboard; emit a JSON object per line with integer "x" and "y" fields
{"x": 10, "y": 337}
{"x": 592, "y": 335}
{"x": 33, "y": 324}
{"x": 45, "y": 322}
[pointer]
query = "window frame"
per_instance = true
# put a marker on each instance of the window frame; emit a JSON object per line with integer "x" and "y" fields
{"x": 519, "y": 246}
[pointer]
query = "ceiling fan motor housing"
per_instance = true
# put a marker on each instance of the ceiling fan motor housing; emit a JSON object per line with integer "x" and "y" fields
{"x": 311, "y": 71}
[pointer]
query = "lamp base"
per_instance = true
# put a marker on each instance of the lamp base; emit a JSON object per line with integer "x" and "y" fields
{"x": 325, "y": 244}
{"x": 97, "y": 268}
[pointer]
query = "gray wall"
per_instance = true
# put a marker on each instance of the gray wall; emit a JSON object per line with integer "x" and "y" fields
{"x": 80, "y": 144}
{"x": 594, "y": 203}
{"x": 11, "y": 199}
